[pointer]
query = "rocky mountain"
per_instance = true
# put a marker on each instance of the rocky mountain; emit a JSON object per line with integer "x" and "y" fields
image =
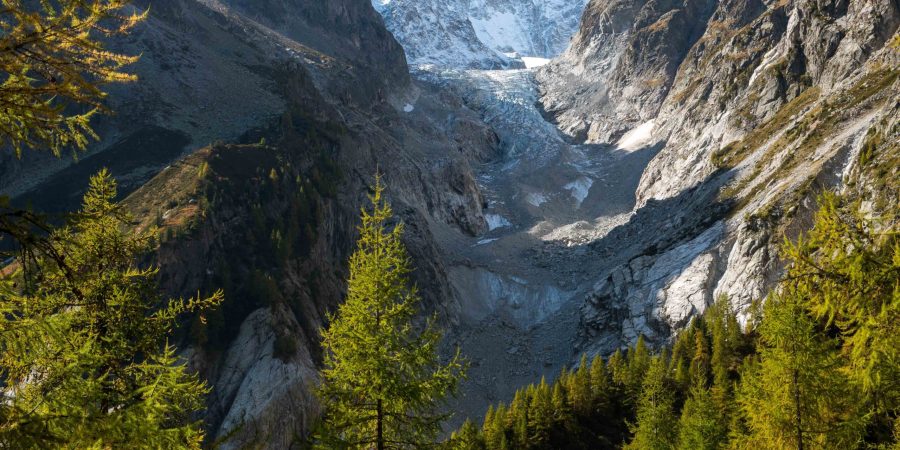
{"x": 481, "y": 33}
{"x": 652, "y": 166}
{"x": 250, "y": 141}
{"x": 756, "y": 106}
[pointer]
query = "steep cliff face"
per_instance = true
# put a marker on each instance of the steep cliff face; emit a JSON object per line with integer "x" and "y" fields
{"x": 621, "y": 63}
{"x": 313, "y": 98}
{"x": 213, "y": 70}
{"x": 757, "y": 106}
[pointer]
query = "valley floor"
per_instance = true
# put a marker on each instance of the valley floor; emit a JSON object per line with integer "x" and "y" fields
{"x": 551, "y": 207}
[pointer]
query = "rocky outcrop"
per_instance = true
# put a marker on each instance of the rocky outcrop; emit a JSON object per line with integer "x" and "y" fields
{"x": 316, "y": 97}
{"x": 771, "y": 100}
{"x": 620, "y": 66}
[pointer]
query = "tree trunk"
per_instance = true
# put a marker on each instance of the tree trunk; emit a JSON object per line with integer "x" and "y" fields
{"x": 379, "y": 427}
{"x": 799, "y": 417}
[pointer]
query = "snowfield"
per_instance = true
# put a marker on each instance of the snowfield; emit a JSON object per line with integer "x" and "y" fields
{"x": 483, "y": 34}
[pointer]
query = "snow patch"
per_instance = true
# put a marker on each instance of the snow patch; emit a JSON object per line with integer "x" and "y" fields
{"x": 485, "y": 241}
{"x": 408, "y": 108}
{"x": 501, "y": 31}
{"x": 536, "y": 198}
{"x": 637, "y": 138}
{"x": 580, "y": 189}
{"x": 495, "y": 221}
{"x": 531, "y": 62}
{"x": 767, "y": 62}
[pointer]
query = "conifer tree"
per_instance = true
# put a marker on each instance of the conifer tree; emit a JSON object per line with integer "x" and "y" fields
{"x": 562, "y": 411}
{"x": 846, "y": 271}
{"x": 599, "y": 382}
{"x": 638, "y": 361}
{"x": 54, "y": 66}
{"x": 467, "y": 438}
{"x": 656, "y": 424}
{"x": 579, "y": 389}
{"x": 617, "y": 368}
{"x": 701, "y": 426}
{"x": 681, "y": 357}
{"x": 517, "y": 417}
{"x": 83, "y": 350}
{"x": 540, "y": 417}
{"x": 53, "y": 59}
{"x": 383, "y": 378}
{"x": 797, "y": 396}
{"x": 490, "y": 432}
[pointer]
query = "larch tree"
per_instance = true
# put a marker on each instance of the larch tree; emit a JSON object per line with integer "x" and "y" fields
{"x": 579, "y": 389}
{"x": 656, "y": 423}
{"x": 383, "y": 379}
{"x": 846, "y": 271}
{"x": 797, "y": 396}
{"x": 53, "y": 66}
{"x": 701, "y": 426}
{"x": 83, "y": 351}
{"x": 54, "y": 63}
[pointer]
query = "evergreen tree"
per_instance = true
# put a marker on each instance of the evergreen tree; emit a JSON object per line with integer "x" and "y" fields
{"x": 382, "y": 379}
{"x": 489, "y": 429}
{"x": 638, "y": 362}
{"x": 54, "y": 67}
{"x": 727, "y": 340}
{"x": 579, "y": 389}
{"x": 540, "y": 417}
{"x": 700, "y": 426}
{"x": 656, "y": 424}
{"x": 517, "y": 417}
{"x": 467, "y": 438}
{"x": 82, "y": 350}
{"x": 846, "y": 271}
{"x": 617, "y": 368}
{"x": 52, "y": 56}
{"x": 797, "y": 396}
{"x": 681, "y": 359}
{"x": 699, "y": 369}
{"x": 599, "y": 384}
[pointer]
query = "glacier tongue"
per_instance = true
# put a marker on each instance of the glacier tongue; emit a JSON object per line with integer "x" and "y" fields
{"x": 485, "y": 34}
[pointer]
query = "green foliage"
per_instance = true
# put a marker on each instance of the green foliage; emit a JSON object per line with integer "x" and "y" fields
{"x": 797, "y": 396}
{"x": 83, "y": 349}
{"x": 656, "y": 423}
{"x": 701, "y": 427}
{"x": 582, "y": 409}
{"x": 53, "y": 60}
{"x": 382, "y": 379}
{"x": 845, "y": 271}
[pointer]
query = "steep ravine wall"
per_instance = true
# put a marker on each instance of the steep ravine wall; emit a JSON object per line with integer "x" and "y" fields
{"x": 277, "y": 115}
{"x": 767, "y": 104}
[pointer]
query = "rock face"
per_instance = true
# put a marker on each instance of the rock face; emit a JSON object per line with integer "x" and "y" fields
{"x": 620, "y": 65}
{"x": 765, "y": 103}
{"x": 317, "y": 97}
{"x": 480, "y": 33}
{"x": 685, "y": 139}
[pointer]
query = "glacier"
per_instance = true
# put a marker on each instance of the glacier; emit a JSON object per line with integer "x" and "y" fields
{"x": 483, "y": 34}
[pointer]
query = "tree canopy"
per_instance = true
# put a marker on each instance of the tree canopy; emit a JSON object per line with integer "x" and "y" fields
{"x": 53, "y": 63}
{"x": 383, "y": 378}
{"x": 83, "y": 348}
